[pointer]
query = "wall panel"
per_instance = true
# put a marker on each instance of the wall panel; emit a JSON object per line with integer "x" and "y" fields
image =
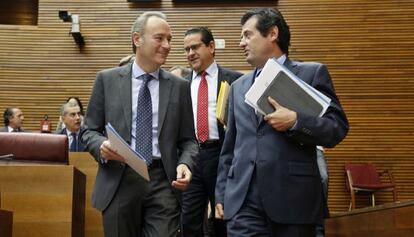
{"x": 368, "y": 47}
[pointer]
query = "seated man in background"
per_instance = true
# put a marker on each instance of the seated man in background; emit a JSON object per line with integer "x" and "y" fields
{"x": 13, "y": 120}
{"x": 71, "y": 118}
{"x": 76, "y": 101}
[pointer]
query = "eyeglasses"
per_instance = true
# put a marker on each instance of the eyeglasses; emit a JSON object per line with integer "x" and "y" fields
{"x": 193, "y": 47}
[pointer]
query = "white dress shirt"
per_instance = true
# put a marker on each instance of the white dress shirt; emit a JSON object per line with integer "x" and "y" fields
{"x": 212, "y": 78}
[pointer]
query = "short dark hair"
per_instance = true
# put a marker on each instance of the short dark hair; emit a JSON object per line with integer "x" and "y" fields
{"x": 7, "y": 115}
{"x": 79, "y": 103}
{"x": 206, "y": 35}
{"x": 268, "y": 18}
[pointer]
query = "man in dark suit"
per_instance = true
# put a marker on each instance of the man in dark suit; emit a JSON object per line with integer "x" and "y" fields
{"x": 151, "y": 110}
{"x": 268, "y": 180}
{"x": 13, "y": 120}
{"x": 200, "y": 49}
{"x": 71, "y": 117}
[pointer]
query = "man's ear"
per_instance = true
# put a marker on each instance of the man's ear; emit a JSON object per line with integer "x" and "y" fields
{"x": 212, "y": 46}
{"x": 273, "y": 34}
{"x": 136, "y": 39}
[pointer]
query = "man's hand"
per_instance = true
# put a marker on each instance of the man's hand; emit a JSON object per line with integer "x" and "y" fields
{"x": 183, "y": 177}
{"x": 108, "y": 153}
{"x": 219, "y": 211}
{"x": 282, "y": 119}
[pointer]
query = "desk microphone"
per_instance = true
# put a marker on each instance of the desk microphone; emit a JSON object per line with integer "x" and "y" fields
{"x": 7, "y": 157}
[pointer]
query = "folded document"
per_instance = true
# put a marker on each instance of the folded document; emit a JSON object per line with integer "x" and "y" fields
{"x": 132, "y": 158}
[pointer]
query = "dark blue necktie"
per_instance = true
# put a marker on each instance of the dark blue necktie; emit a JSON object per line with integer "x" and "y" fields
{"x": 73, "y": 145}
{"x": 143, "y": 133}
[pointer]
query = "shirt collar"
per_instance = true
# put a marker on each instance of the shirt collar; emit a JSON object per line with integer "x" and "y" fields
{"x": 137, "y": 71}
{"x": 281, "y": 60}
{"x": 211, "y": 70}
{"x": 69, "y": 133}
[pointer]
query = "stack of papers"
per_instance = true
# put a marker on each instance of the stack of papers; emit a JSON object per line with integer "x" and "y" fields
{"x": 287, "y": 89}
{"x": 222, "y": 102}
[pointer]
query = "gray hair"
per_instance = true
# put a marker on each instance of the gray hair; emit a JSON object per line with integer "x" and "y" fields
{"x": 64, "y": 108}
{"x": 141, "y": 21}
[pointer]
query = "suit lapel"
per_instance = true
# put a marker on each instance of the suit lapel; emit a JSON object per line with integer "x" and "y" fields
{"x": 125, "y": 90}
{"x": 221, "y": 76}
{"x": 291, "y": 66}
{"x": 246, "y": 84}
{"x": 164, "y": 97}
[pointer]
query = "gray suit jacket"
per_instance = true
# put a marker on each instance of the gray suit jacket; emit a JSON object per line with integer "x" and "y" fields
{"x": 288, "y": 178}
{"x": 111, "y": 102}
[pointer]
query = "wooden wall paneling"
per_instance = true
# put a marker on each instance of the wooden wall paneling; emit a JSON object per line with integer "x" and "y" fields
{"x": 367, "y": 46}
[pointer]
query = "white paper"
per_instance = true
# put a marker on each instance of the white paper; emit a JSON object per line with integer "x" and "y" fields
{"x": 132, "y": 158}
{"x": 269, "y": 72}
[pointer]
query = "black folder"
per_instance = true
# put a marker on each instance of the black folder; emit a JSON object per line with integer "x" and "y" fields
{"x": 290, "y": 95}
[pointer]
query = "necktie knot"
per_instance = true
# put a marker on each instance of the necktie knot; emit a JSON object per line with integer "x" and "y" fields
{"x": 146, "y": 78}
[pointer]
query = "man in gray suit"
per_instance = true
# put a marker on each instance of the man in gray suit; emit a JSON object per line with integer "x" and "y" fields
{"x": 200, "y": 49}
{"x": 151, "y": 110}
{"x": 268, "y": 179}
{"x": 13, "y": 120}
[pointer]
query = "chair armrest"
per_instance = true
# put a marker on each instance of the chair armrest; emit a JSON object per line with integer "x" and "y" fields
{"x": 389, "y": 174}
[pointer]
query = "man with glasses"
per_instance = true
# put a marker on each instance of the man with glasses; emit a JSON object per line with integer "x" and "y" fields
{"x": 205, "y": 78}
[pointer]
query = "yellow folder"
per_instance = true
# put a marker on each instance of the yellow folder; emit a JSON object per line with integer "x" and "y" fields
{"x": 222, "y": 102}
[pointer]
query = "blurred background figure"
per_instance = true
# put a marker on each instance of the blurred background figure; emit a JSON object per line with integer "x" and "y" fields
{"x": 71, "y": 119}
{"x": 76, "y": 101}
{"x": 180, "y": 71}
{"x": 13, "y": 120}
{"x": 127, "y": 59}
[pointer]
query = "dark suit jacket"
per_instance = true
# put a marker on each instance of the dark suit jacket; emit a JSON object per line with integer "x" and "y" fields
{"x": 223, "y": 75}
{"x": 5, "y": 129}
{"x": 287, "y": 172}
{"x": 111, "y": 102}
{"x": 81, "y": 146}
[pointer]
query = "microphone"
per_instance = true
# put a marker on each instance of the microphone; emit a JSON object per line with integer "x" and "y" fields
{"x": 7, "y": 157}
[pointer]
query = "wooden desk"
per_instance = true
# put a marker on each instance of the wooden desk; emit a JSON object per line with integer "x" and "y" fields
{"x": 87, "y": 165}
{"x": 6, "y": 223}
{"x": 392, "y": 219}
{"x": 46, "y": 200}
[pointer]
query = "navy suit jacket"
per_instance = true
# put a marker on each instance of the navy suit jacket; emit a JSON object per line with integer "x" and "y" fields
{"x": 223, "y": 75}
{"x": 81, "y": 146}
{"x": 288, "y": 178}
